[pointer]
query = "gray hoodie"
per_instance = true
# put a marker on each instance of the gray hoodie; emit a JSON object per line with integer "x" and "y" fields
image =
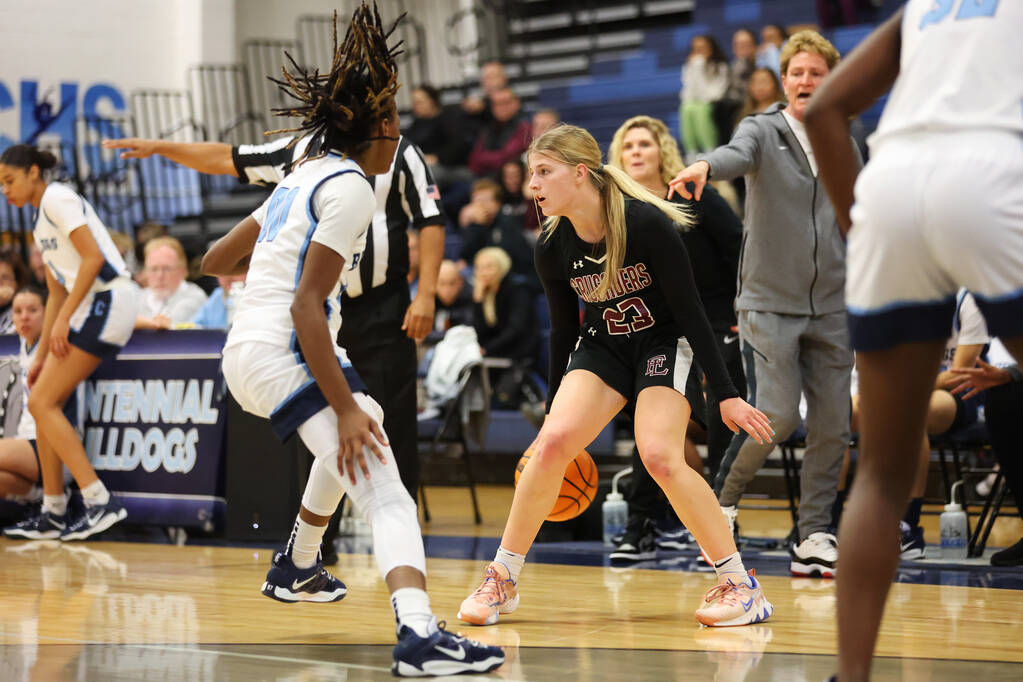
{"x": 793, "y": 256}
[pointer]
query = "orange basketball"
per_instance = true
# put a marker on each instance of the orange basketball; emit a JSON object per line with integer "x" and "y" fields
{"x": 577, "y": 488}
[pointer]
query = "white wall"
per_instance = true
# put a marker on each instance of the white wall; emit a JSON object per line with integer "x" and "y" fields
{"x": 88, "y": 56}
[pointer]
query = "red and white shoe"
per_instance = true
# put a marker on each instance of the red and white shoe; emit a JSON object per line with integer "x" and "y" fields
{"x": 735, "y": 602}
{"x": 496, "y": 595}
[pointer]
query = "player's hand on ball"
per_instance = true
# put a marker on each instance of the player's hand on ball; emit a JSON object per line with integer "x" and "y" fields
{"x": 357, "y": 432}
{"x": 737, "y": 414}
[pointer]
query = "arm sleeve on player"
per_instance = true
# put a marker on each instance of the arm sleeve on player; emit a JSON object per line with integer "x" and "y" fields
{"x": 262, "y": 164}
{"x": 64, "y": 208}
{"x": 740, "y": 156}
{"x": 663, "y": 249}
{"x": 343, "y": 207}
{"x": 420, "y": 197}
{"x": 564, "y": 309}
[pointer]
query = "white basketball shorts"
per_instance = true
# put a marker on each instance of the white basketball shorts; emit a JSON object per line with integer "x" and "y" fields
{"x": 934, "y": 212}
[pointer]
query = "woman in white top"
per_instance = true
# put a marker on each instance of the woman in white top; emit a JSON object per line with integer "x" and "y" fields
{"x": 19, "y": 463}
{"x": 90, "y": 313}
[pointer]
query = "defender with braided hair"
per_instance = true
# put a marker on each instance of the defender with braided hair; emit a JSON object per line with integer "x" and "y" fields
{"x": 281, "y": 360}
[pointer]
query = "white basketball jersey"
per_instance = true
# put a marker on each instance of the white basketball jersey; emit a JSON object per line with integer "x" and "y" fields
{"x": 61, "y": 210}
{"x": 961, "y": 68}
{"x": 326, "y": 200}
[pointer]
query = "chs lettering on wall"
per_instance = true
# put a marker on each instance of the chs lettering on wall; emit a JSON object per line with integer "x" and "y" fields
{"x": 52, "y": 110}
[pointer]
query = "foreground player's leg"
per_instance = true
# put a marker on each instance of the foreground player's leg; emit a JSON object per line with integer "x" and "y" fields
{"x": 582, "y": 407}
{"x": 738, "y": 599}
{"x": 424, "y": 647}
{"x": 891, "y": 422}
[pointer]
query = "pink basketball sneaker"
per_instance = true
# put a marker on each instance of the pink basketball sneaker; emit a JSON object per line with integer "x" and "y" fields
{"x": 735, "y": 603}
{"x": 498, "y": 594}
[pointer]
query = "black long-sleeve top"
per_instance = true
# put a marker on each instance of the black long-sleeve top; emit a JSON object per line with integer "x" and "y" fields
{"x": 714, "y": 243}
{"x": 516, "y": 334}
{"x": 653, "y": 290}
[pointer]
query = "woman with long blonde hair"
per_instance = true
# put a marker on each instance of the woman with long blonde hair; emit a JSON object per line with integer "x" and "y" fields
{"x": 644, "y": 148}
{"x": 614, "y": 244}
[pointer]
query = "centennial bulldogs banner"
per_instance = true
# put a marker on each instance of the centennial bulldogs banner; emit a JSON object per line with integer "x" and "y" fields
{"x": 155, "y": 419}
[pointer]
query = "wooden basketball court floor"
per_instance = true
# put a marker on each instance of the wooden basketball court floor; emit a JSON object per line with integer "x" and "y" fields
{"x": 138, "y": 611}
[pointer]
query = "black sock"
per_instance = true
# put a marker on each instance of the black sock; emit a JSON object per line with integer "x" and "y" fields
{"x": 912, "y": 517}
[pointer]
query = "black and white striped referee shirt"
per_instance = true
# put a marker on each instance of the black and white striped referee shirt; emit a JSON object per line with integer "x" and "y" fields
{"x": 406, "y": 194}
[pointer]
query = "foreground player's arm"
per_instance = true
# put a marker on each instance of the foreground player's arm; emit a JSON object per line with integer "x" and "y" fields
{"x": 211, "y": 158}
{"x": 356, "y": 429}
{"x": 673, "y": 274}
{"x": 564, "y": 312}
{"x": 230, "y": 254}
{"x": 862, "y": 77}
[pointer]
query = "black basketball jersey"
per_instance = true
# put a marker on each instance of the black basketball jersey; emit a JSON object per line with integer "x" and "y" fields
{"x": 653, "y": 293}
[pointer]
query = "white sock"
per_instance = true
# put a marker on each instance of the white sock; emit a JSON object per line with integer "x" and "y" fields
{"x": 730, "y": 567}
{"x": 412, "y": 609}
{"x": 55, "y": 504}
{"x": 512, "y": 561}
{"x": 95, "y": 494}
{"x": 305, "y": 543}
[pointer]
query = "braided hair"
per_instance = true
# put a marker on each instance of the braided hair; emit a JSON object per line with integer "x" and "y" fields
{"x": 339, "y": 108}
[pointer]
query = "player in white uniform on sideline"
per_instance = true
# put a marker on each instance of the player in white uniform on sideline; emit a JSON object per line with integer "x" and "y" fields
{"x": 940, "y": 205}
{"x": 90, "y": 313}
{"x": 281, "y": 360}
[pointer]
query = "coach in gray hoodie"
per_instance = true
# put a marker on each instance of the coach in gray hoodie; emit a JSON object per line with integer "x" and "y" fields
{"x": 790, "y": 302}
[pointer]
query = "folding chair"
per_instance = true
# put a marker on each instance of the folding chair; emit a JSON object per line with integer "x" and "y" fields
{"x": 450, "y": 428}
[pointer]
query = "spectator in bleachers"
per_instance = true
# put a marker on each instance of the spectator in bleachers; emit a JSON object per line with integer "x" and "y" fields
{"x": 505, "y": 137}
{"x": 216, "y": 312}
{"x": 744, "y": 57}
{"x": 791, "y": 303}
{"x": 147, "y": 231}
{"x": 643, "y": 148}
{"x": 20, "y": 474}
{"x": 1003, "y": 404}
{"x": 440, "y": 134}
{"x": 764, "y": 90}
{"x": 13, "y": 276}
{"x": 454, "y": 302}
{"x": 477, "y": 109}
{"x": 544, "y": 120}
{"x": 772, "y": 38}
{"x": 483, "y": 224}
{"x": 167, "y": 298}
{"x": 705, "y": 78}
{"x": 504, "y": 316}
{"x": 516, "y": 199}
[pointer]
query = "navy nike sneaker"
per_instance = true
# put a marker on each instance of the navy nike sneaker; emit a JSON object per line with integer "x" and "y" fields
{"x": 442, "y": 653}
{"x": 287, "y": 583}
{"x": 94, "y": 519}
{"x": 40, "y": 526}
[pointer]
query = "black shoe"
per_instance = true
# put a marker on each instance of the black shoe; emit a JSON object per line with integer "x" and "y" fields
{"x": 913, "y": 545}
{"x": 638, "y": 544}
{"x": 1010, "y": 556}
{"x": 328, "y": 555}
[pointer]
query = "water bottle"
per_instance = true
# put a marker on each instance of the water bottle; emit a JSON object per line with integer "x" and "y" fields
{"x": 954, "y": 535}
{"x": 615, "y": 510}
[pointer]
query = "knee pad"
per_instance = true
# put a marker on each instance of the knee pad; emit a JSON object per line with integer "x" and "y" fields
{"x": 397, "y": 540}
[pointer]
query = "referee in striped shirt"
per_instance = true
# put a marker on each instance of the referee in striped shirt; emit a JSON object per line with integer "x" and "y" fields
{"x": 377, "y": 302}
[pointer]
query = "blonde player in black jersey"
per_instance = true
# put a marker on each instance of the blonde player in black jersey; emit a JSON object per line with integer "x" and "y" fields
{"x": 614, "y": 244}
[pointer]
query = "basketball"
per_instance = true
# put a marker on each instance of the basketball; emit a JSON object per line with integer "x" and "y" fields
{"x": 578, "y": 487}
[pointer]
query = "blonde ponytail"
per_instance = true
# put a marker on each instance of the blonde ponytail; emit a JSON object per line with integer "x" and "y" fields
{"x": 574, "y": 145}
